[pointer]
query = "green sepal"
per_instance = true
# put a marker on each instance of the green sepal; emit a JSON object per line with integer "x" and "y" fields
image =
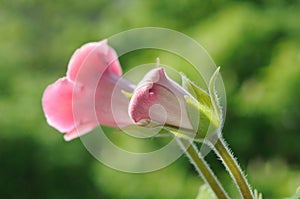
{"x": 202, "y": 107}
{"x": 206, "y": 114}
{"x": 183, "y": 133}
{"x": 145, "y": 131}
{"x": 213, "y": 93}
{"x": 201, "y": 95}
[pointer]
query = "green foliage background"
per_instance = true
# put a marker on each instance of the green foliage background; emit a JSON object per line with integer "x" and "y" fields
{"x": 257, "y": 44}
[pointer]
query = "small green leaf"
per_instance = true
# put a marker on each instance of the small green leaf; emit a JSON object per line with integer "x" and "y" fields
{"x": 205, "y": 192}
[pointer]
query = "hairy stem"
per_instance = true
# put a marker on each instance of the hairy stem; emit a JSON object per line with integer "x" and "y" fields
{"x": 202, "y": 167}
{"x": 222, "y": 150}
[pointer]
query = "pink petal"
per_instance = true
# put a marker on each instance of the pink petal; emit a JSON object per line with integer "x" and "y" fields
{"x": 57, "y": 105}
{"x": 97, "y": 55}
{"x": 159, "y": 99}
{"x": 112, "y": 59}
{"x": 79, "y": 131}
{"x": 90, "y": 95}
{"x": 111, "y": 104}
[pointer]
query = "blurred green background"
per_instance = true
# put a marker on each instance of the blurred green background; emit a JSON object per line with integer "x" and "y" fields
{"x": 257, "y": 44}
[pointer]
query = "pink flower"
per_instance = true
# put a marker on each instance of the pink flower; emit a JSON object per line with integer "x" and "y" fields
{"x": 90, "y": 94}
{"x": 161, "y": 100}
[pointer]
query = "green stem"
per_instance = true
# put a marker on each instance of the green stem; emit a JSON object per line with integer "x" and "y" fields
{"x": 202, "y": 167}
{"x": 222, "y": 150}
